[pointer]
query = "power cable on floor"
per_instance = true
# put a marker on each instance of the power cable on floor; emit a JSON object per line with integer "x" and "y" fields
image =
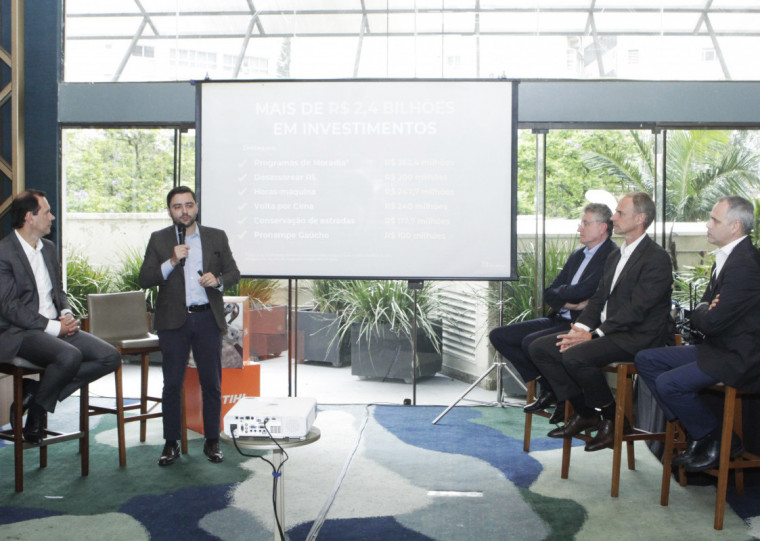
{"x": 320, "y": 520}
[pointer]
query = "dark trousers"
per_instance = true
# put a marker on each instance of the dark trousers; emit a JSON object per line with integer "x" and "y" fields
{"x": 201, "y": 334}
{"x": 512, "y": 341}
{"x": 70, "y": 363}
{"x": 577, "y": 371}
{"x": 674, "y": 379}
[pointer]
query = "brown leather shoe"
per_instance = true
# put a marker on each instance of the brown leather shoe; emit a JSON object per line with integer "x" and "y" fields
{"x": 212, "y": 452}
{"x": 605, "y": 437}
{"x": 575, "y": 425}
{"x": 169, "y": 455}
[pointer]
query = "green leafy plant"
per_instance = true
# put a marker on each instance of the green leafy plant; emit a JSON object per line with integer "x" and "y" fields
{"x": 260, "y": 291}
{"x": 373, "y": 304}
{"x": 689, "y": 283}
{"x": 83, "y": 278}
{"x": 126, "y": 277}
{"x": 518, "y": 297}
{"x": 325, "y": 295}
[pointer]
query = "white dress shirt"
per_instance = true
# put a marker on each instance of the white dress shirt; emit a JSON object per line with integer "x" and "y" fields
{"x": 44, "y": 285}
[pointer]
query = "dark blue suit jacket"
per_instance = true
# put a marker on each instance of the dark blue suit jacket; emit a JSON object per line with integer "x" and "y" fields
{"x": 560, "y": 291}
{"x": 731, "y": 349}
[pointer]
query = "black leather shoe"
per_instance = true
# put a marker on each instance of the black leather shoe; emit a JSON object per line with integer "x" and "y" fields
{"x": 545, "y": 400}
{"x": 605, "y": 437}
{"x": 696, "y": 447}
{"x": 687, "y": 454}
{"x": 34, "y": 429}
{"x": 212, "y": 452}
{"x": 169, "y": 455}
{"x": 559, "y": 414}
{"x": 29, "y": 388}
{"x": 707, "y": 456}
{"x": 575, "y": 425}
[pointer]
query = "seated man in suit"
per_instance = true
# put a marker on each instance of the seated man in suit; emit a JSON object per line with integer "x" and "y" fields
{"x": 36, "y": 322}
{"x": 729, "y": 317}
{"x": 567, "y": 296}
{"x": 629, "y": 311}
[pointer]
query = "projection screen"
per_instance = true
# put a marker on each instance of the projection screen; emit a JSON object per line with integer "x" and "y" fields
{"x": 361, "y": 179}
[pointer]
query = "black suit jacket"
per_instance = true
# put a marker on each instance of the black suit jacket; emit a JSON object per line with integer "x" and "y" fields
{"x": 638, "y": 307}
{"x": 730, "y": 351}
{"x": 560, "y": 291}
{"x": 19, "y": 299}
{"x": 171, "y": 309}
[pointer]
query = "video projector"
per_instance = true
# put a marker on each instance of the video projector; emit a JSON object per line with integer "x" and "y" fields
{"x": 279, "y": 418}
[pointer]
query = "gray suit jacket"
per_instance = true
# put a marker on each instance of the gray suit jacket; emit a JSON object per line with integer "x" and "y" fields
{"x": 171, "y": 310}
{"x": 19, "y": 299}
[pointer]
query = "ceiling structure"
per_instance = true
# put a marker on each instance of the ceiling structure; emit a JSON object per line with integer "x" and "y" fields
{"x": 599, "y": 23}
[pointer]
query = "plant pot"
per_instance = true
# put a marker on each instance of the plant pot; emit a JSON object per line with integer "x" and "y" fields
{"x": 320, "y": 343}
{"x": 388, "y": 355}
{"x": 268, "y": 332}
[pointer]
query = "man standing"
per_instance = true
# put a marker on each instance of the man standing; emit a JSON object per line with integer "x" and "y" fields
{"x": 36, "y": 321}
{"x": 567, "y": 296}
{"x": 629, "y": 311}
{"x": 729, "y": 317}
{"x": 191, "y": 265}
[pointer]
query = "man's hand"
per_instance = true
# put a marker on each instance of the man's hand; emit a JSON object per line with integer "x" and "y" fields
{"x": 579, "y": 306}
{"x": 181, "y": 251}
{"x": 714, "y": 302}
{"x": 208, "y": 280}
{"x": 574, "y": 336}
{"x": 69, "y": 325}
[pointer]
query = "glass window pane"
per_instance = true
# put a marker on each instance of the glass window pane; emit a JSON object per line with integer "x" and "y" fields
{"x": 677, "y": 39}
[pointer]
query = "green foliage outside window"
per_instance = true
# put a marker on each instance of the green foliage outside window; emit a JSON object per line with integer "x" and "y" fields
{"x": 123, "y": 170}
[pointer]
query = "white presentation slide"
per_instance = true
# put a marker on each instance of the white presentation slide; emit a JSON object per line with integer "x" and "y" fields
{"x": 361, "y": 179}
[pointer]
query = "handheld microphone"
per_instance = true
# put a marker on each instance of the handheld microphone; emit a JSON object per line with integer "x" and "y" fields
{"x": 181, "y": 234}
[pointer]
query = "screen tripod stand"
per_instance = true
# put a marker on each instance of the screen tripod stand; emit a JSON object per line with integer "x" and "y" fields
{"x": 499, "y": 365}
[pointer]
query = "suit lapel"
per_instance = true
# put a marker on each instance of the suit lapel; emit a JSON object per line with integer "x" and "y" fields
{"x": 635, "y": 256}
{"x": 22, "y": 257}
{"x": 577, "y": 260}
{"x": 206, "y": 256}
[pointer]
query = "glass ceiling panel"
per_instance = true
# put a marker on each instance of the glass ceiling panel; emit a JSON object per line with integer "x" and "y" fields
{"x": 559, "y": 32}
{"x": 733, "y": 23}
{"x": 123, "y": 27}
{"x": 608, "y": 22}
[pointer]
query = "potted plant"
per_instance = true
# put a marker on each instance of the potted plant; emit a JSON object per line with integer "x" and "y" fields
{"x": 378, "y": 315}
{"x": 319, "y": 326}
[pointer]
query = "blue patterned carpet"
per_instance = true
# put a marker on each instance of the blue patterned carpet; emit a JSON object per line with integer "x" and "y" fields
{"x": 377, "y": 473}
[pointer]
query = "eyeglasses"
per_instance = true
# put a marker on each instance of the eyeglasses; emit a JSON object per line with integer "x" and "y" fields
{"x": 585, "y": 223}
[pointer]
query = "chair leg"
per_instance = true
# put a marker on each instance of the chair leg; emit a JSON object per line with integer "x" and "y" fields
{"x": 18, "y": 438}
{"x": 121, "y": 436}
{"x": 567, "y": 445}
{"x": 725, "y": 456}
{"x": 667, "y": 457}
{"x": 738, "y": 472}
{"x": 84, "y": 428}
{"x": 144, "y": 367}
{"x": 621, "y": 398}
{"x": 629, "y": 416}
{"x": 530, "y": 394}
